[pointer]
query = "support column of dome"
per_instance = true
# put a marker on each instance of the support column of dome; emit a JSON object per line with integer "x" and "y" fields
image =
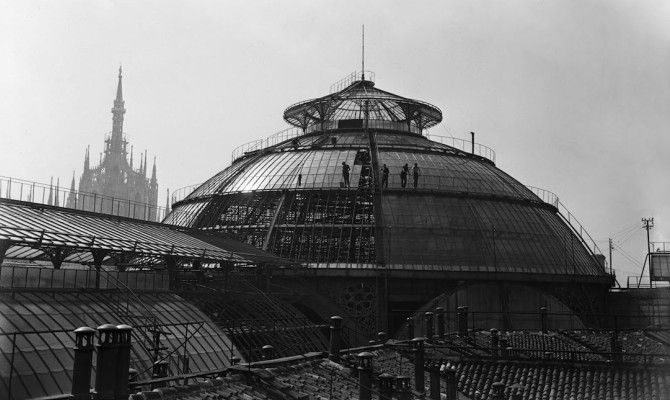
{"x": 380, "y": 254}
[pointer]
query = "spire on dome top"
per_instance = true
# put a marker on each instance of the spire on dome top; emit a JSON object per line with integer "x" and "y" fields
{"x": 363, "y": 54}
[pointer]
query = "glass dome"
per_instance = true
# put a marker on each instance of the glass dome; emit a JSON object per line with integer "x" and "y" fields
{"x": 458, "y": 212}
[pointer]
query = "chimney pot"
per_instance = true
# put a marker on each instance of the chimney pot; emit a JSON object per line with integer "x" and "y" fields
{"x": 124, "y": 338}
{"x": 429, "y": 325}
{"x": 365, "y": 375}
{"x": 106, "y": 367}
{"x": 268, "y": 352}
{"x": 419, "y": 357}
{"x": 335, "y": 336}
{"x": 440, "y": 322}
{"x": 83, "y": 361}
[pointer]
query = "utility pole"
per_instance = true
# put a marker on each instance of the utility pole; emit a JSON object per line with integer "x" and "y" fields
{"x": 648, "y": 224}
{"x": 611, "y": 248}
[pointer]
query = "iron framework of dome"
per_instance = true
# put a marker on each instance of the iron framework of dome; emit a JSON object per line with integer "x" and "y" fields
{"x": 287, "y": 194}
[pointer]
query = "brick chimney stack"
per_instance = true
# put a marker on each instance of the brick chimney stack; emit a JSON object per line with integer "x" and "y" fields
{"x": 83, "y": 361}
{"x": 105, "y": 372}
{"x": 495, "y": 341}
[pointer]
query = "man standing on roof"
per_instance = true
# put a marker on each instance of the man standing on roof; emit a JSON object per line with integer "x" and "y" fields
{"x": 345, "y": 173}
{"x": 403, "y": 175}
{"x": 385, "y": 176}
{"x": 416, "y": 171}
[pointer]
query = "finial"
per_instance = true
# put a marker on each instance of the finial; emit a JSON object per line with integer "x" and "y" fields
{"x": 363, "y": 54}
{"x": 120, "y": 70}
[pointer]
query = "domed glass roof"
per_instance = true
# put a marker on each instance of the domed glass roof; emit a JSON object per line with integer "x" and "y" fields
{"x": 461, "y": 214}
{"x": 362, "y": 101}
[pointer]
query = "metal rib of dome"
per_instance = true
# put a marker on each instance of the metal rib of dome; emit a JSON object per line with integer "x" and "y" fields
{"x": 357, "y": 100}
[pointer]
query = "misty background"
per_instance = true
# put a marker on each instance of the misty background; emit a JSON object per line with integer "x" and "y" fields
{"x": 574, "y": 96}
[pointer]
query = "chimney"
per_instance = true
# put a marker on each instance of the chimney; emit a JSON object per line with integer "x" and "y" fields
{"x": 105, "y": 372}
{"x": 382, "y": 337}
{"x": 543, "y": 319}
{"x": 472, "y": 134}
{"x": 403, "y": 387}
{"x": 160, "y": 370}
{"x": 335, "y": 337}
{"x": 385, "y": 386}
{"x": 429, "y": 325}
{"x": 124, "y": 338}
{"x": 419, "y": 379}
{"x": 462, "y": 316}
{"x": 451, "y": 385}
{"x": 440, "y": 322}
{"x": 495, "y": 341}
{"x": 498, "y": 391}
{"x": 434, "y": 381}
{"x": 365, "y": 375}
{"x": 268, "y": 352}
{"x": 83, "y": 361}
{"x": 410, "y": 328}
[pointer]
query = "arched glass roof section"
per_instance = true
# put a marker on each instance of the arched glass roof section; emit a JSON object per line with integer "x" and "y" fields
{"x": 361, "y": 101}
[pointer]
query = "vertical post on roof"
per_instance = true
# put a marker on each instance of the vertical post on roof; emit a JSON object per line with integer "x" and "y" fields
{"x": 440, "y": 322}
{"x": 4, "y": 246}
{"x": 419, "y": 356}
{"x": 335, "y": 337}
{"x": 365, "y": 375}
{"x": 429, "y": 325}
{"x": 472, "y": 135}
{"x": 435, "y": 381}
{"x": 451, "y": 388}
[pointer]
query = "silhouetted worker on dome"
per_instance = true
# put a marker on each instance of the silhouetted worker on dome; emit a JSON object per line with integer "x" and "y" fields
{"x": 403, "y": 175}
{"x": 345, "y": 173}
{"x": 299, "y": 179}
{"x": 416, "y": 171}
{"x": 385, "y": 176}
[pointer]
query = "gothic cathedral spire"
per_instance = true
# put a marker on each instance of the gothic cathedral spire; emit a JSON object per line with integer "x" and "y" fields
{"x": 116, "y": 143}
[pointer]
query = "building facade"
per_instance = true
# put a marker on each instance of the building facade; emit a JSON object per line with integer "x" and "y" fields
{"x": 115, "y": 179}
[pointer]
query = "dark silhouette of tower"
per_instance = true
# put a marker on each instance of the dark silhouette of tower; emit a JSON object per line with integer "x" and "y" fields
{"x": 122, "y": 190}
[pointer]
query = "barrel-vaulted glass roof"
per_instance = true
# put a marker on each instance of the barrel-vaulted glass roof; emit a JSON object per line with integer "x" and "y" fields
{"x": 36, "y": 336}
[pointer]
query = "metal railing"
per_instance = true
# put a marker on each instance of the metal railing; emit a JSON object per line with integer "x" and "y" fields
{"x": 19, "y": 277}
{"x": 465, "y": 146}
{"x": 269, "y": 141}
{"x": 182, "y": 193}
{"x": 53, "y": 195}
{"x": 351, "y": 78}
{"x": 371, "y": 124}
{"x": 551, "y": 198}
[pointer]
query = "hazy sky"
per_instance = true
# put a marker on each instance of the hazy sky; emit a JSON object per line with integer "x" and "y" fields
{"x": 573, "y": 95}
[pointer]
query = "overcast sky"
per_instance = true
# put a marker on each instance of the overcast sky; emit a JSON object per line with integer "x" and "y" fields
{"x": 574, "y": 96}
